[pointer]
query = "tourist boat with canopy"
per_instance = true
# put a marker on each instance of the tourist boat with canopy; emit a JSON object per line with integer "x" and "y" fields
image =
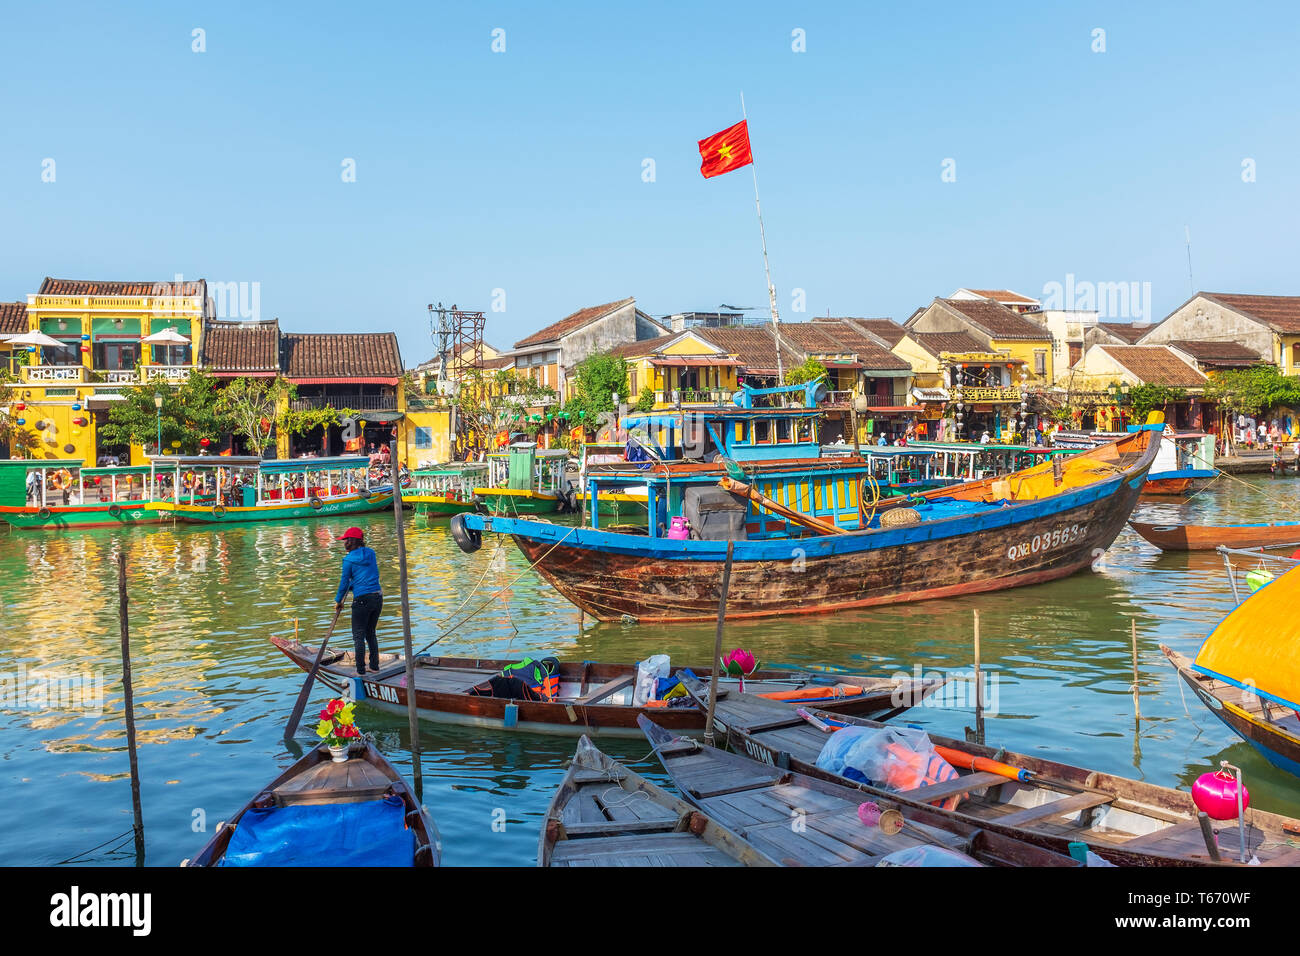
{"x": 1184, "y": 463}
{"x": 957, "y": 462}
{"x": 241, "y": 488}
{"x": 59, "y": 494}
{"x": 445, "y": 490}
{"x": 1028, "y": 797}
{"x": 1248, "y": 671}
{"x": 805, "y": 539}
{"x": 525, "y": 479}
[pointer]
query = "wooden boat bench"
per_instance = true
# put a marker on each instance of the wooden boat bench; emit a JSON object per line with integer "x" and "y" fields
{"x": 1056, "y": 808}
{"x": 606, "y": 689}
{"x": 353, "y": 781}
{"x": 979, "y": 780}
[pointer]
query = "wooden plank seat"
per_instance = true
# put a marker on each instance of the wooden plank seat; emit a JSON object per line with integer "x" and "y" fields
{"x": 942, "y": 791}
{"x": 1056, "y": 808}
{"x": 352, "y": 781}
{"x": 605, "y": 689}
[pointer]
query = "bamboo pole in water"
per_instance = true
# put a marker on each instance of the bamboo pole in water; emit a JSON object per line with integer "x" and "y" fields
{"x": 717, "y": 643}
{"x": 979, "y": 685}
{"x": 412, "y": 716}
{"x": 128, "y": 703}
{"x": 1137, "y": 707}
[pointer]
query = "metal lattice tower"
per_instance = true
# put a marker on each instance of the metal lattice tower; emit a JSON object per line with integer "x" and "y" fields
{"x": 456, "y": 332}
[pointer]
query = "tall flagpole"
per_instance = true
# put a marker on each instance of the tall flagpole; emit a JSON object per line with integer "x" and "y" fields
{"x": 767, "y": 269}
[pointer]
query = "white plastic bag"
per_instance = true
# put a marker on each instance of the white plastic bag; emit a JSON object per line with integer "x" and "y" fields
{"x": 896, "y": 758}
{"x": 647, "y": 672}
{"x": 927, "y": 855}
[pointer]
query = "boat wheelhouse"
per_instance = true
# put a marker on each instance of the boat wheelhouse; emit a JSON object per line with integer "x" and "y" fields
{"x": 244, "y": 488}
{"x": 444, "y": 491}
{"x": 526, "y": 479}
{"x": 62, "y": 494}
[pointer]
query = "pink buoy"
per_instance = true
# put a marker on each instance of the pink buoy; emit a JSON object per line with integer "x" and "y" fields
{"x": 869, "y": 813}
{"x": 1216, "y": 795}
{"x": 680, "y": 529}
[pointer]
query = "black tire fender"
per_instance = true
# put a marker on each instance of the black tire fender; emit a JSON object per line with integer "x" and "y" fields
{"x": 466, "y": 538}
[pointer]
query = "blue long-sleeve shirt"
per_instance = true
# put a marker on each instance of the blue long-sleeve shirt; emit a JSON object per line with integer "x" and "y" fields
{"x": 360, "y": 574}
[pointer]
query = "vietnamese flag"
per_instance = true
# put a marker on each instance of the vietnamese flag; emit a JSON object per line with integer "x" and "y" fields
{"x": 725, "y": 151}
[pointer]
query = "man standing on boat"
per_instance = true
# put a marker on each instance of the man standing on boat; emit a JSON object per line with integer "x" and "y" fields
{"x": 361, "y": 577}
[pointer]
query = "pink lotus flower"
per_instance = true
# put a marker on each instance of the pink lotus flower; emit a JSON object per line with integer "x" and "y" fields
{"x": 739, "y": 663}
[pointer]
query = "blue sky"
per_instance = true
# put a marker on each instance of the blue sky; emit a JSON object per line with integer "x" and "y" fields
{"x": 522, "y": 170}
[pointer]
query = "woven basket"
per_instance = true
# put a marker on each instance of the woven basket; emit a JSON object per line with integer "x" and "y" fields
{"x": 899, "y": 518}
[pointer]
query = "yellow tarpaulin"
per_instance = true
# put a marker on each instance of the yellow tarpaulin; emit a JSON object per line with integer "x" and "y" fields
{"x": 1257, "y": 647}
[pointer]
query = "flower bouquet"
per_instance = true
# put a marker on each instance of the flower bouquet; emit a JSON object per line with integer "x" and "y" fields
{"x": 338, "y": 728}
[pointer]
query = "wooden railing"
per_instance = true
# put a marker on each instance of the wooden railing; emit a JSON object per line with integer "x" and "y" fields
{"x": 354, "y": 400}
{"x": 54, "y": 373}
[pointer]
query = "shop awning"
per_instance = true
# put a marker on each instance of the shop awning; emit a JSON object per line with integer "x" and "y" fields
{"x": 380, "y": 418}
{"x": 930, "y": 394}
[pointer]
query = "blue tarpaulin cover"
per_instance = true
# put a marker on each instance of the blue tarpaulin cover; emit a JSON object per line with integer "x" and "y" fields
{"x": 372, "y": 833}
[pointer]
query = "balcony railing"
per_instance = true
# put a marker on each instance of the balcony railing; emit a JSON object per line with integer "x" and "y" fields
{"x": 169, "y": 373}
{"x": 970, "y": 394}
{"x": 54, "y": 373}
{"x": 353, "y": 400}
{"x": 695, "y": 396}
{"x": 123, "y": 376}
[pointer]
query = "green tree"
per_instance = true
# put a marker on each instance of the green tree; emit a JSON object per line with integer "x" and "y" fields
{"x": 809, "y": 370}
{"x": 1251, "y": 391}
{"x": 488, "y": 402}
{"x": 20, "y": 438}
{"x": 646, "y": 400}
{"x": 249, "y": 402}
{"x": 189, "y": 414}
{"x": 597, "y": 379}
{"x": 1149, "y": 398}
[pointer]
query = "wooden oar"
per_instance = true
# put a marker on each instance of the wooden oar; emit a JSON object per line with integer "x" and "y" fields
{"x": 291, "y": 728}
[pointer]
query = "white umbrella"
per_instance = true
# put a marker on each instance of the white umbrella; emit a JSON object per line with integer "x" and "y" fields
{"x": 168, "y": 336}
{"x": 36, "y": 337}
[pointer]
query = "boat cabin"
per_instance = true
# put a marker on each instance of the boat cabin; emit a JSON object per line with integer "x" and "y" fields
{"x": 246, "y": 481}
{"x": 741, "y": 434}
{"x": 955, "y": 462}
{"x": 525, "y": 467}
{"x": 455, "y": 481}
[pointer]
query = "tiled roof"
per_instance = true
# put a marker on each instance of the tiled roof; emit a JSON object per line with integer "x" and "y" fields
{"x": 836, "y": 337}
{"x": 1218, "y": 353}
{"x": 755, "y": 348}
{"x": 958, "y": 342}
{"x": 572, "y": 323}
{"x": 997, "y": 320}
{"x": 887, "y": 329}
{"x": 1279, "y": 312}
{"x": 1003, "y": 295}
{"x": 92, "y": 287}
{"x": 1155, "y": 365}
{"x": 631, "y": 350}
{"x": 13, "y": 318}
{"x": 241, "y": 346}
{"x": 1126, "y": 331}
{"x": 345, "y": 355}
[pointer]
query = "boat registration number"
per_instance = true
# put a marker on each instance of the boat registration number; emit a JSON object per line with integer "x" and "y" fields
{"x": 380, "y": 692}
{"x": 1046, "y": 541}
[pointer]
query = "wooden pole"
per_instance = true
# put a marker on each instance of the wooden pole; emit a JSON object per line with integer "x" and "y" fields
{"x": 128, "y": 704}
{"x": 411, "y": 714}
{"x": 1137, "y": 707}
{"x": 979, "y": 685}
{"x": 300, "y": 704}
{"x": 717, "y": 644}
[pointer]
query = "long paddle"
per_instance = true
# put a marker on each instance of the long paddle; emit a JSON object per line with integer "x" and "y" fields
{"x": 292, "y": 727}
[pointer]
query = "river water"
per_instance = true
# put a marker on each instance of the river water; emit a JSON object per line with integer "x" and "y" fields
{"x": 212, "y": 694}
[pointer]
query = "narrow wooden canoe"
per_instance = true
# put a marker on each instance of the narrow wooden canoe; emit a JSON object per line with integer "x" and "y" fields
{"x": 1126, "y": 822}
{"x": 329, "y": 507}
{"x": 1267, "y": 726}
{"x": 1191, "y": 537}
{"x": 606, "y": 815}
{"x": 321, "y": 813}
{"x": 593, "y": 698}
{"x": 1166, "y": 486}
{"x": 801, "y": 820}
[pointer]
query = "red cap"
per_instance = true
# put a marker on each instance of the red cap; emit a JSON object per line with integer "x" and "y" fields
{"x": 351, "y": 533}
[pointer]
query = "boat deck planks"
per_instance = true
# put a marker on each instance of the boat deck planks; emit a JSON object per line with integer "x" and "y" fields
{"x": 651, "y": 849}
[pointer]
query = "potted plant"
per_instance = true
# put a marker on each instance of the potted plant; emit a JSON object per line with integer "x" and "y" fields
{"x": 337, "y": 728}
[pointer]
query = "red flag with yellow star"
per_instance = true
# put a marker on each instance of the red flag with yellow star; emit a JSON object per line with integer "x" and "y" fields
{"x": 725, "y": 151}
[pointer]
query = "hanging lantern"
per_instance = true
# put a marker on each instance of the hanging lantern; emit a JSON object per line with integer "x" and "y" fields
{"x": 76, "y": 407}
{"x": 41, "y": 425}
{"x": 205, "y": 442}
{"x": 79, "y": 422}
{"x": 85, "y": 337}
{"x": 20, "y": 406}
{"x": 176, "y": 444}
{"x": 69, "y": 448}
{"x": 22, "y": 421}
{"x": 1216, "y": 795}
{"x": 85, "y": 348}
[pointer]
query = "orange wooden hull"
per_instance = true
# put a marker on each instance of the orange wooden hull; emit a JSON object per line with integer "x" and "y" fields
{"x": 1191, "y": 537}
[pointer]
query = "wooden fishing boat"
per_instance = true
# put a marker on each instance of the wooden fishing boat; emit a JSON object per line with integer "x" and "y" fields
{"x": 1191, "y": 537}
{"x": 800, "y": 820}
{"x": 1184, "y": 462}
{"x": 320, "y": 813}
{"x": 807, "y": 543}
{"x": 606, "y": 815}
{"x": 1052, "y": 805}
{"x": 593, "y": 698}
{"x": 251, "y": 489}
{"x": 63, "y": 494}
